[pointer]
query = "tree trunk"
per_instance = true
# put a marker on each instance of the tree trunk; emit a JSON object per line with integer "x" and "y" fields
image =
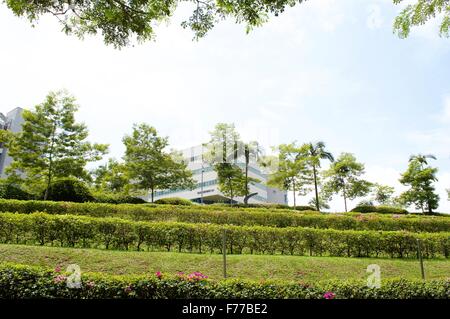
{"x": 153, "y": 194}
{"x": 231, "y": 193}
{"x": 345, "y": 198}
{"x": 50, "y": 164}
{"x": 247, "y": 161}
{"x": 293, "y": 185}
{"x": 315, "y": 188}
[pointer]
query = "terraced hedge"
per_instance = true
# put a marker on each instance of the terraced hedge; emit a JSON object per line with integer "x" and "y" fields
{"x": 116, "y": 233}
{"x": 18, "y": 281}
{"x": 240, "y": 217}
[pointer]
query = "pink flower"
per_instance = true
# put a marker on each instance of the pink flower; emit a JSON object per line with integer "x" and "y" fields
{"x": 59, "y": 278}
{"x": 158, "y": 274}
{"x": 329, "y": 295}
{"x": 197, "y": 276}
{"x": 58, "y": 268}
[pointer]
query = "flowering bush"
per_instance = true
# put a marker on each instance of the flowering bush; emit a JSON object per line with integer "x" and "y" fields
{"x": 197, "y": 276}
{"x": 59, "y": 278}
{"x": 329, "y": 295}
{"x": 18, "y": 281}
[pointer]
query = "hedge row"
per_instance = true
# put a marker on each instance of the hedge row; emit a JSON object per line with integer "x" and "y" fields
{"x": 116, "y": 233}
{"x": 379, "y": 209}
{"x": 248, "y": 217}
{"x": 17, "y": 281}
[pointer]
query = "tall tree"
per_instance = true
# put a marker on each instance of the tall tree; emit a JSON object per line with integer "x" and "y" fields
{"x": 150, "y": 166}
{"x": 344, "y": 177}
{"x": 231, "y": 180}
{"x": 251, "y": 150}
{"x": 292, "y": 173}
{"x": 316, "y": 153}
{"x": 226, "y": 153}
{"x": 51, "y": 144}
{"x": 420, "y": 178}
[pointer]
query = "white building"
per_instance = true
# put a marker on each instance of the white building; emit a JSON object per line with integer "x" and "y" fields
{"x": 12, "y": 121}
{"x": 207, "y": 186}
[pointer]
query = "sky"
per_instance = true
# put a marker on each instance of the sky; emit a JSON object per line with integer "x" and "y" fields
{"x": 323, "y": 70}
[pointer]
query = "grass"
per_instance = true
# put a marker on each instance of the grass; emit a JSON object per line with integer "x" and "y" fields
{"x": 255, "y": 267}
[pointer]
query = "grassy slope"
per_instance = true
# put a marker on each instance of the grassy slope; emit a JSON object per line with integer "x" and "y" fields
{"x": 293, "y": 268}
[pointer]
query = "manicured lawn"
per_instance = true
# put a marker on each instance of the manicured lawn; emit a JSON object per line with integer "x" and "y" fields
{"x": 257, "y": 267}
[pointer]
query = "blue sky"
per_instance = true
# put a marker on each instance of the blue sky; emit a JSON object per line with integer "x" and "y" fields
{"x": 324, "y": 70}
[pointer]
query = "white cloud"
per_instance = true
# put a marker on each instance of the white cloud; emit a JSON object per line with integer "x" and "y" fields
{"x": 375, "y": 19}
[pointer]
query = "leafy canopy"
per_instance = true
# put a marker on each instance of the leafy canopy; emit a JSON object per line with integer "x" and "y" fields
{"x": 344, "y": 177}
{"x": 421, "y": 12}
{"x": 121, "y": 21}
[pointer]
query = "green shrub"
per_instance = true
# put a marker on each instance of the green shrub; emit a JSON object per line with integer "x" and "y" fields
{"x": 240, "y": 217}
{"x": 174, "y": 201}
{"x": 19, "y": 281}
{"x": 379, "y": 209}
{"x": 11, "y": 191}
{"x": 116, "y": 233}
{"x": 266, "y": 206}
{"x": 117, "y": 199}
{"x": 69, "y": 190}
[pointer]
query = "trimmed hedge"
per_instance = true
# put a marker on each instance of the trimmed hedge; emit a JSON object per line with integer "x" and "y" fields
{"x": 117, "y": 199}
{"x": 240, "y": 217}
{"x": 379, "y": 209}
{"x": 174, "y": 201}
{"x": 17, "y": 282}
{"x": 82, "y": 231}
{"x": 267, "y": 206}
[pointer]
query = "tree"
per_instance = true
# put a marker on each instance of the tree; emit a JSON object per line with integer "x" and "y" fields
{"x": 343, "y": 177}
{"x": 111, "y": 177}
{"x": 383, "y": 194}
{"x": 231, "y": 180}
{"x": 420, "y": 177}
{"x": 120, "y": 21}
{"x": 316, "y": 153}
{"x": 293, "y": 173}
{"x": 420, "y": 13}
{"x": 224, "y": 152}
{"x": 251, "y": 150}
{"x": 150, "y": 166}
{"x": 51, "y": 145}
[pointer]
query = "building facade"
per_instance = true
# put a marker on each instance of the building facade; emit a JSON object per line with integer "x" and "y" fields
{"x": 206, "y": 189}
{"x": 12, "y": 121}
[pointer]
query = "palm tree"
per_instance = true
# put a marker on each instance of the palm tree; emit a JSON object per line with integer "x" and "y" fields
{"x": 316, "y": 153}
{"x": 421, "y": 159}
